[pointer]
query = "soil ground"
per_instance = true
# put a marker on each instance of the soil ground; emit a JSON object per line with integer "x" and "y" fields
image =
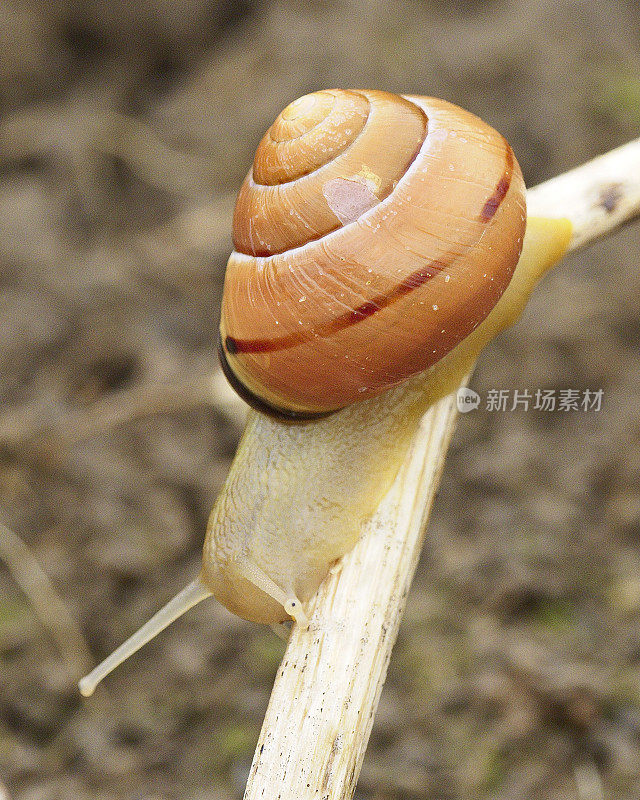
{"x": 125, "y": 130}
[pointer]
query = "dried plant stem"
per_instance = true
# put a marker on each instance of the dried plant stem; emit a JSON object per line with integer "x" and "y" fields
{"x": 326, "y": 692}
{"x": 81, "y": 130}
{"x": 30, "y": 427}
{"x": 52, "y": 612}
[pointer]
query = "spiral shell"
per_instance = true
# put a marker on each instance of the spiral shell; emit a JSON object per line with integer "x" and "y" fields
{"x": 373, "y": 233}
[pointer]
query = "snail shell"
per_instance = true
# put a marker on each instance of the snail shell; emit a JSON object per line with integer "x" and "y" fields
{"x": 372, "y": 234}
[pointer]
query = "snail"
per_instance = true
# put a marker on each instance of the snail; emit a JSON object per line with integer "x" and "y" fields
{"x": 379, "y": 245}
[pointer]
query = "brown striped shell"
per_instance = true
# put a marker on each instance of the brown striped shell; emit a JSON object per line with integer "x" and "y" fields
{"x": 373, "y": 233}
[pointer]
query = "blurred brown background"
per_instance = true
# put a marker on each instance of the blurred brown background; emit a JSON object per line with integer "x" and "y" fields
{"x": 126, "y": 128}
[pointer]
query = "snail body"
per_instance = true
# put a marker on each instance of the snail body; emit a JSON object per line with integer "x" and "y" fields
{"x": 377, "y": 239}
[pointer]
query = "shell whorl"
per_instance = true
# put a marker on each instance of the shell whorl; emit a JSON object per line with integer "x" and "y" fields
{"x": 326, "y": 159}
{"x": 372, "y": 234}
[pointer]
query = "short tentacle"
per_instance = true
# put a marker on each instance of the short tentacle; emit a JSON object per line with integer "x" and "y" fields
{"x": 288, "y": 600}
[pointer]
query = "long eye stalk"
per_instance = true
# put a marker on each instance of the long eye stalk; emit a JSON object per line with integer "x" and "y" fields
{"x": 183, "y": 601}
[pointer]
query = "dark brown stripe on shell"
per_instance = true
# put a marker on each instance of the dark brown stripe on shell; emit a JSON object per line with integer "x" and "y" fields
{"x": 371, "y": 307}
{"x": 361, "y": 312}
{"x": 493, "y": 203}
